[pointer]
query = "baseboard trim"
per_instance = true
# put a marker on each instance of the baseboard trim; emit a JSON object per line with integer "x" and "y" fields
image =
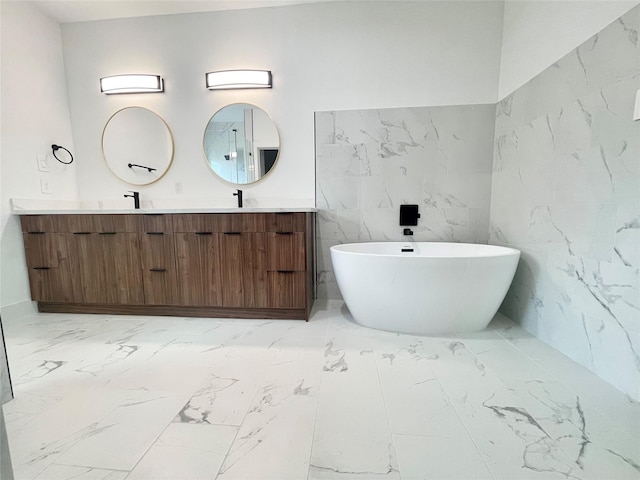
{"x": 177, "y": 311}
{"x": 15, "y": 311}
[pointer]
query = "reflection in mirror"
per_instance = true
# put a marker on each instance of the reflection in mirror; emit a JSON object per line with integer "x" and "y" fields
{"x": 137, "y": 145}
{"x": 241, "y": 143}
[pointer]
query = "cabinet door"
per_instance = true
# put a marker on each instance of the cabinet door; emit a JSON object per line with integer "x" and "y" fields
{"x": 286, "y": 251}
{"x": 198, "y": 266}
{"x": 50, "y": 275}
{"x": 159, "y": 268}
{"x": 287, "y": 289}
{"x": 108, "y": 265}
{"x": 244, "y": 276}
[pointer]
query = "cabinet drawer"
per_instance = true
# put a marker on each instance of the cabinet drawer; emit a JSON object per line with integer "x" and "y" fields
{"x": 74, "y": 223}
{"x": 286, "y": 289}
{"x": 44, "y": 250}
{"x": 117, "y": 223}
{"x": 286, "y": 251}
{"x": 157, "y": 223}
{"x": 38, "y": 223}
{"x": 196, "y": 223}
{"x": 241, "y": 222}
{"x": 285, "y": 222}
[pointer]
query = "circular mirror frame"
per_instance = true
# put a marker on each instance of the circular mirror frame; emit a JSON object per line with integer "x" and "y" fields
{"x": 171, "y": 139}
{"x": 204, "y": 145}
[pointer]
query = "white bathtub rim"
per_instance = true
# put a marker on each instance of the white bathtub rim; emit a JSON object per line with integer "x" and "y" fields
{"x": 497, "y": 250}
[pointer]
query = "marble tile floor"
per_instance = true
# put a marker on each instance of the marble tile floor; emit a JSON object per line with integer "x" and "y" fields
{"x": 124, "y": 397}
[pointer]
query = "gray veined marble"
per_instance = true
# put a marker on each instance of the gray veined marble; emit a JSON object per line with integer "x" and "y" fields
{"x": 323, "y": 399}
{"x": 553, "y": 170}
{"x": 566, "y": 192}
{"x": 369, "y": 162}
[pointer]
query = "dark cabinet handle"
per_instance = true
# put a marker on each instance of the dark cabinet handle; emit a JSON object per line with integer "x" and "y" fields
{"x": 107, "y": 233}
{"x": 233, "y": 233}
{"x": 155, "y": 233}
{"x": 41, "y": 268}
{"x": 284, "y": 213}
{"x": 35, "y": 233}
{"x": 204, "y": 233}
{"x": 286, "y": 271}
{"x": 284, "y": 233}
{"x": 157, "y": 269}
{"x": 82, "y": 233}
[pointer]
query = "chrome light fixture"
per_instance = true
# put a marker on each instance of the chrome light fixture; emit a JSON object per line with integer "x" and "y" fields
{"x": 230, "y": 79}
{"x": 636, "y": 110}
{"x": 131, "y": 83}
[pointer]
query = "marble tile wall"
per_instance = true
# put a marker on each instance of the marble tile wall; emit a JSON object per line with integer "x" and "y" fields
{"x": 369, "y": 162}
{"x": 566, "y": 192}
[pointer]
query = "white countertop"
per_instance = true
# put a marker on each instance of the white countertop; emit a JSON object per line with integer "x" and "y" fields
{"x": 47, "y": 207}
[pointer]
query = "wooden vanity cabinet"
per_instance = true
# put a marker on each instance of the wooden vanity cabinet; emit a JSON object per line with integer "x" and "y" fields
{"x": 105, "y": 257}
{"x": 246, "y": 265}
{"x": 96, "y": 259}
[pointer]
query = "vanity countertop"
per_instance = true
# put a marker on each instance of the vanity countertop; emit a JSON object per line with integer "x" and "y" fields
{"x": 65, "y": 207}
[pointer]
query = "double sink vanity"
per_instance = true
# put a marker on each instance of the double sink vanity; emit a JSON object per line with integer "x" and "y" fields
{"x": 254, "y": 264}
{"x": 239, "y": 263}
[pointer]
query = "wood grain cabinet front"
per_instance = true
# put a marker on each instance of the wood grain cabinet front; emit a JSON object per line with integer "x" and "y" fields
{"x": 198, "y": 268}
{"x": 243, "y": 265}
{"x": 243, "y": 269}
{"x": 108, "y": 266}
{"x": 50, "y": 275}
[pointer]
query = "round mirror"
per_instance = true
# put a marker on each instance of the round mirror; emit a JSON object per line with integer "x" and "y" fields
{"x": 241, "y": 143}
{"x": 137, "y": 145}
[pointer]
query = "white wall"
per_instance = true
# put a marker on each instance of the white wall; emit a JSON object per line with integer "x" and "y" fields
{"x": 323, "y": 57}
{"x": 537, "y": 33}
{"x": 34, "y": 115}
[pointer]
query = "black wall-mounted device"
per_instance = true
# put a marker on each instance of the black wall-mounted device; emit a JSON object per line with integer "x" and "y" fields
{"x": 409, "y": 215}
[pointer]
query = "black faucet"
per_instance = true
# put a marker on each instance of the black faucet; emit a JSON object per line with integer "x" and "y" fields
{"x": 136, "y": 199}
{"x": 239, "y": 195}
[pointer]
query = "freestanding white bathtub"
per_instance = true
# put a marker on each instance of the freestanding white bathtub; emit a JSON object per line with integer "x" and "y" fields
{"x": 423, "y": 288}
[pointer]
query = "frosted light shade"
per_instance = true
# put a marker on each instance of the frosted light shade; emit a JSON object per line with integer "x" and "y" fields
{"x": 636, "y": 110}
{"x": 229, "y": 79}
{"x": 131, "y": 83}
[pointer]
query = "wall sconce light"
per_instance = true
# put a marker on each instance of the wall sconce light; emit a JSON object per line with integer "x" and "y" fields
{"x": 636, "y": 110}
{"x": 229, "y": 79}
{"x": 131, "y": 83}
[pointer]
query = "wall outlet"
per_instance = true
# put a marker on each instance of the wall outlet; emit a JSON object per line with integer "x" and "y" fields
{"x": 45, "y": 186}
{"x": 43, "y": 163}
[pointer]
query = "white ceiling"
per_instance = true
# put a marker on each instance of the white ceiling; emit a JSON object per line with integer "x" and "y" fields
{"x": 67, "y": 11}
